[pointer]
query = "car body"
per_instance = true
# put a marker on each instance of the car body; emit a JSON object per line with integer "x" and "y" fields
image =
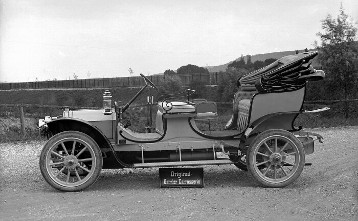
{"x": 262, "y": 137}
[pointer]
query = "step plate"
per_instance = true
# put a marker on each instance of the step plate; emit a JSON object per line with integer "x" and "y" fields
{"x": 182, "y": 163}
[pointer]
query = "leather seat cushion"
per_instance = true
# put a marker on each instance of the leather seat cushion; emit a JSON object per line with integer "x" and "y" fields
{"x": 243, "y": 116}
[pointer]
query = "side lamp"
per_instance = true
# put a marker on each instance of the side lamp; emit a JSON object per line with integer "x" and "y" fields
{"x": 107, "y": 103}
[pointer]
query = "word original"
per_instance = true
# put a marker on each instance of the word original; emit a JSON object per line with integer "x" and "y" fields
{"x": 180, "y": 174}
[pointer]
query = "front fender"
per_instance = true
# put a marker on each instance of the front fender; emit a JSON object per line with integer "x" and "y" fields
{"x": 70, "y": 124}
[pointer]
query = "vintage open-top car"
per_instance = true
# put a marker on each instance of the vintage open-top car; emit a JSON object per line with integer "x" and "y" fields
{"x": 260, "y": 136}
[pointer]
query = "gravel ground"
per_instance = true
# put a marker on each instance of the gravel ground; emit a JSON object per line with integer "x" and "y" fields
{"x": 327, "y": 190}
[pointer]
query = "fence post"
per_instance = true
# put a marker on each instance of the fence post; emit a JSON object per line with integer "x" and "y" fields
{"x": 22, "y": 121}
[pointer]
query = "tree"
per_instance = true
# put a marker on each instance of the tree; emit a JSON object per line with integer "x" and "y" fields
{"x": 199, "y": 87}
{"x": 191, "y": 73}
{"x": 227, "y": 85}
{"x": 170, "y": 85}
{"x": 75, "y": 76}
{"x": 338, "y": 55}
{"x": 191, "y": 69}
{"x": 130, "y": 70}
{"x": 258, "y": 64}
{"x": 269, "y": 61}
{"x": 169, "y": 72}
{"x": 238, "y": 64}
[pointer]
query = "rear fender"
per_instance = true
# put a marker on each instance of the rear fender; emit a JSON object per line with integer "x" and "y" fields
{"x": 281, "y": 120}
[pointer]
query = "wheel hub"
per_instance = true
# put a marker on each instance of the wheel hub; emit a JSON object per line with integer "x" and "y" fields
{"x": 70, "y": 162}
{"x": 276, "y": 158}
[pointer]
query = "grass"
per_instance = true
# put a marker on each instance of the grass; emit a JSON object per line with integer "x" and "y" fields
{"x": 10, "y": 129}
{"x": 319, "y": 122}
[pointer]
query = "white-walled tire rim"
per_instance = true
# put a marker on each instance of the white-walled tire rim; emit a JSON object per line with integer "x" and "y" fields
{"x": 70, "y": 162}
{"x": 276, "y": 158}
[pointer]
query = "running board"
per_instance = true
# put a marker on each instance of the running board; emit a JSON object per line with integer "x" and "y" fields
{"x": 182, "y": 163}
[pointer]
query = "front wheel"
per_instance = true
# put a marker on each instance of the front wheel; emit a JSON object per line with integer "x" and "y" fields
{"x": 71, "y": 161}
{"x": 276, "y": 158}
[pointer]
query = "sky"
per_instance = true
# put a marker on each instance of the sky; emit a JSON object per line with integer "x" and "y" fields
{"x": 51, "y": 39}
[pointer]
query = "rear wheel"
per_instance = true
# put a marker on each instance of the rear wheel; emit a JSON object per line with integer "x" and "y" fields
{"x": 71, "y": 161}
{"x": 276, "y": 158}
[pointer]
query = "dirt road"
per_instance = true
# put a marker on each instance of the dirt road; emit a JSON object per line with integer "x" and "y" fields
{"x": 327, "y": 190}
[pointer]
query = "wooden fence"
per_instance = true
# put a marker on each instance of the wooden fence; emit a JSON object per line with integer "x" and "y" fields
{"x": 135, "y": 81}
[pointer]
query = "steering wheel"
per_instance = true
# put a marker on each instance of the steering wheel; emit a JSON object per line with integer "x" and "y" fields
{"x": 147, "y": 81}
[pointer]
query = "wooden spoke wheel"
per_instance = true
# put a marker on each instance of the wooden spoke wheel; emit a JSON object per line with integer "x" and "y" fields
{"x": 71, "y": 161}
{"x": 276, "y": 158}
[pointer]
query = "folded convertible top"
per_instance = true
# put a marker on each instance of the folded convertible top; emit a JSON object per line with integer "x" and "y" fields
{"x": 286, "y": 74}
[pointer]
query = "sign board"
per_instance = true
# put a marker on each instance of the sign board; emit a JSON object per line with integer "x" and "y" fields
{"x": 181, "y": 177}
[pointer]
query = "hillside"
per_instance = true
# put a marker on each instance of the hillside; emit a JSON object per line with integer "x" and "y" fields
{"x": 257, "y": 57}
{"x": 262, "y": 57}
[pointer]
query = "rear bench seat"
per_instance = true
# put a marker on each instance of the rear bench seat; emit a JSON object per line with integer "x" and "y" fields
{"x": 243, "y": 114}
{"x": 241, "y": 109}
